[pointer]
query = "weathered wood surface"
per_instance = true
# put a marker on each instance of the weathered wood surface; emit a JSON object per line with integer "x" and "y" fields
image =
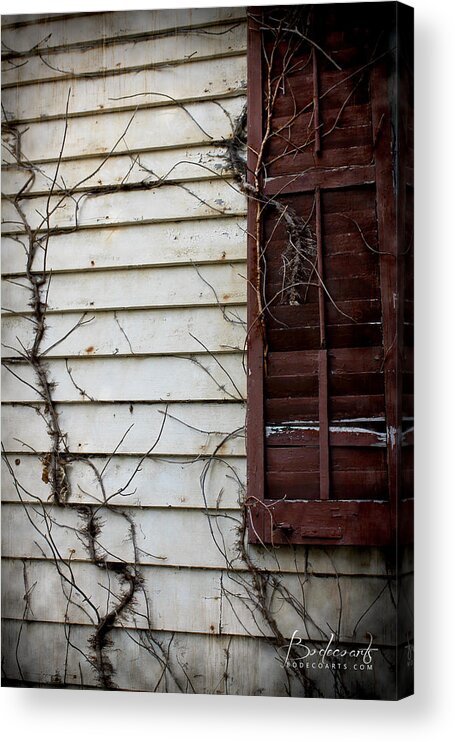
{"x": 139, "y": 670}
{"x": 86, "y": 28}
{"x": 167, "y": 534}
{"x": 253, "y": 667}
{"x": 127, "y": 289}
{"x": 326, "y": 157}
{"x": 99, "y": 58}
{"x": 188, "y": 163}
{"x": 24, "y": 19}
{"x": 169, "y": 243}
{"x": 214, "y": 78}
{"x": 177, "y": 485}
{"x": 164, "y": 536}
{"x": 307, "y": 434}
{"x": 134, "y": 332}
{"x": 199, "y": 122}
{"x": 193, "y": 428}
{"x": 175, "y": 602}
{"x": 170, "y": 202}
{"x": 195, "y": 377}
{"x": 176, "y": 481}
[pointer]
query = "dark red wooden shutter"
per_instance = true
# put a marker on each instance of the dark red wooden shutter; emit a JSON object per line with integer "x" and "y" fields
{"x": 329, "y": 232}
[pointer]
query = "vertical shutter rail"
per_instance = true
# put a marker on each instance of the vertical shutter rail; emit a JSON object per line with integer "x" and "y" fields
{"x": 324, "y": 474}
{"x": 255, "y": 379}
{"x": 386, "y": 211}
{"x": 317, "y": 130}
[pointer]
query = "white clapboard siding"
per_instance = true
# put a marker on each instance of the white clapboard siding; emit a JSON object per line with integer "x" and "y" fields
{"x": 176, "y": 537}
{"x": 135, "y": 332}
{"x": 172, "y": 600}
{"x": 188, "y": 163}
{"x": 213, "y": 78}
{"x": 127, "y": 131}
{"x": 323, "y": 599}
{"x": 192, "y": 45}
{"x": 169, "y": 593}
{"x": 194, "y": 428}
{"x": 180, "y": 201}
{"x": 183, "y": 536}
{"x": 80, "y": 29}
{"x": 168, "y": 243}
{"x": 45, "y": 657}
{"x": 25, "y": 19}
{"x": 151, "y": 287}
{"x": 195, "y": 377}
{"x": 177, "y": 484}
{"x": 176, "y": 481}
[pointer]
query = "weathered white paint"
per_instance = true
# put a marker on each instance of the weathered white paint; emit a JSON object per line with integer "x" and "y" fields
{"x": 176, "y": 484}
{"x": 135, "y": 332}
{"x": 99, "y": 427}
{"x": 129, "y": 131}
{"x": 176, "y": 605}
{"x": 195, "y": 377}
{"x": 323, "y": 595}
{"x": 151, "y": 287}
{"x": 170, "y": 539}
{"x": 191, "y": 45}
{"x": 253, "y": 668}
{"x": 169, "y": 243}
{"x": 214, "y": 78}
{"x": 189, "y": 163}
{"x": 79, "y": 29}
{"x": 179, "y": 201}
{"x": 176, "y": 481}
{"x": 165, "y": 537}
{"x": 25, "y": 19}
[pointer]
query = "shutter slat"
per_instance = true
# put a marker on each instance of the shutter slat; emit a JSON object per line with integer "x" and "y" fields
{"x": 340, "y": 408}
{"x": 344, "y": 485}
